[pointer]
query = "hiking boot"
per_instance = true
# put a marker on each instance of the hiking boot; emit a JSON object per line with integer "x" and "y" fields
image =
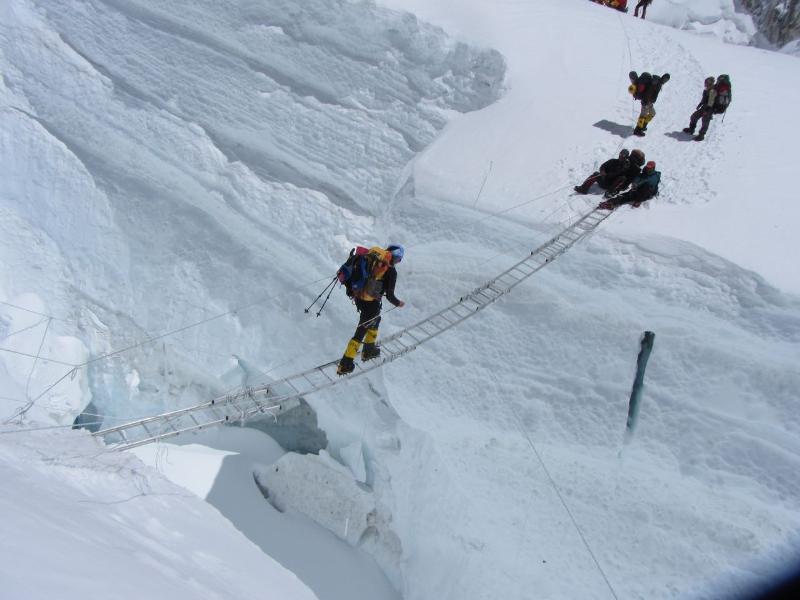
{"x": 699, "y": 138}
{"x": 638, "y": 131}
{"x": 688, "y": 130}
{"x": 581, "y": 189}
{"x": 346, "y": 365}
{"x": 370, "y": 351}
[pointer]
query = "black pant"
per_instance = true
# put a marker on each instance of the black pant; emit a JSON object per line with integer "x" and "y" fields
{"x": 643, "y": 4}
{"x": 369, "y": 317}
{"x": 639, "y": 194}
{"x": 607, "y": 182}
{"x": 701, "y": 113}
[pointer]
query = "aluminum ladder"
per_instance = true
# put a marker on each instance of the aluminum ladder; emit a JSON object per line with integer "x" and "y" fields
{"x": 283, "y": 395}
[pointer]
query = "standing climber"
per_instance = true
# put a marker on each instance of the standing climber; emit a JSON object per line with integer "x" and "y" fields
{"x": 643, "y": 4}
{"x": 645, "y": 88}
{"x": 379, "y": 277}
{"x": 716, "y": 99}
{"x": 644, "y": 187}
{"x": 703, "y": 111}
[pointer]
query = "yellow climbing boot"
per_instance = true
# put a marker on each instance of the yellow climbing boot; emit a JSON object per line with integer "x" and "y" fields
{"x": 346, "y": 364}
{"x": 370, "y": 350}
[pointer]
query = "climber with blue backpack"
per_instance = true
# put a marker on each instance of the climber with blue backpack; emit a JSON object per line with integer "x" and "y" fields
{"x": 368, "y": 276}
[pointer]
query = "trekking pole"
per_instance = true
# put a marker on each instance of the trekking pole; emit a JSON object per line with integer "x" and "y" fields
{"x": 330, "y": 285}
{"x": 319, "y": 312}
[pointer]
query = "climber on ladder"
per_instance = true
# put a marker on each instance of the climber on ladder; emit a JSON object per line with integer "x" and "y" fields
{"x": 368, "y": 275}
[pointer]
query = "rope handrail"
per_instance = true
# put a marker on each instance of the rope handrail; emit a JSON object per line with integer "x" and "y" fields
{"x": 284, "y": 394}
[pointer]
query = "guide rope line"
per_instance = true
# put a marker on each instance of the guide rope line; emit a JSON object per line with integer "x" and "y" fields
{"x": 34, "y": 312}
{"x": 487, "y": 216}
{"x": 8, "y": 335}
{"x": 284, "y": 394}
{"x": 516, "y": 245}
{"x": 524, "y": 432}
{"x": 41, "y": 358}
{"x": 45, "y": 427}
{"x": 170, "y": 333}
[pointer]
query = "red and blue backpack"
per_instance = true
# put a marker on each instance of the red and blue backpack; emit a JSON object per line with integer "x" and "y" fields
{"x": 724, "y": 96}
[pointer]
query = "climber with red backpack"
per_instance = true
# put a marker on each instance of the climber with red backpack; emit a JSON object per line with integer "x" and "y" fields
{"x": 620, "y": 5}
{"x": 715, "y": 101}
{"x": 368, "y": 275}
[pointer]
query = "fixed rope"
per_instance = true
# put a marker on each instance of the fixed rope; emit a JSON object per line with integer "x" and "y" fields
{"x": 283, "y": 395}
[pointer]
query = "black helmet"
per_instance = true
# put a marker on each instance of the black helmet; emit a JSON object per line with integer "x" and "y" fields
{"x": 637, "y": 156}
{"x": 623, "y": 154}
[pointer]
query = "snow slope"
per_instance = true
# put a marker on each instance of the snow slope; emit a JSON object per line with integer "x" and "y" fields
{"x": 78, "y": 523}
{"x": 245, "y": 164}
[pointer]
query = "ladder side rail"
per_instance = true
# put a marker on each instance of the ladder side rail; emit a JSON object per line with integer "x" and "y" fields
{"x": 166, "y": 435}
{"x": 452, "y": 315}
{"x": 139, "y": 422}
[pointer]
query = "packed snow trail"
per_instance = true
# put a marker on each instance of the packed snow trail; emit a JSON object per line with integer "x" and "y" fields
{"x": 284, "y": 394}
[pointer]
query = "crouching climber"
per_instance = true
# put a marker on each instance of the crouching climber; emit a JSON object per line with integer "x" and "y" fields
{"x": 643, "y": 187}
{"x": 615, "y": 174}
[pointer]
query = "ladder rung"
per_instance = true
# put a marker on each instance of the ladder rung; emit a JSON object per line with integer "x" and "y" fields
{"x": 412, "y": 336}
{"x": 401, "y": 347}
{"x": 488, "y": 297}
{"x": 247, "y": 402}
{"x": 421, "y": 326}
{"x": 461, "y": 306}
{"x": 328, "y": 377}
{"x": 445, "y": 319}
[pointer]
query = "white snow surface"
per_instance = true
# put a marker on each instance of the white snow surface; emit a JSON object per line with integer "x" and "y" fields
{"x": 82, "y": 523}
{"x": 202, "y": 167}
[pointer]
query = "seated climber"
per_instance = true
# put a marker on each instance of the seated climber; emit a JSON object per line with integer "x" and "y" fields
{"x": 644, "y": 187}
{"x": 615, "y": 174}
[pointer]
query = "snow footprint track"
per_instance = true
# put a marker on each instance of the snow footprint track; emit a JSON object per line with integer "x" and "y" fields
{"x": 686, "y": 166}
